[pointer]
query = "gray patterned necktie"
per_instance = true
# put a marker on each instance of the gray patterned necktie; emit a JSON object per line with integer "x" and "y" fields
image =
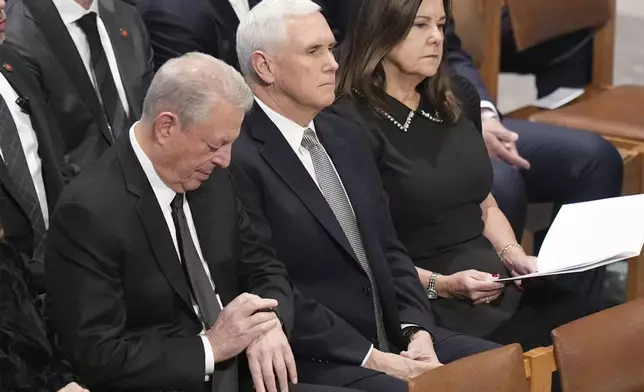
{"x": 335, "y": 195}
{"x": 16, "y": 163}
{"x": 225, "y": 377}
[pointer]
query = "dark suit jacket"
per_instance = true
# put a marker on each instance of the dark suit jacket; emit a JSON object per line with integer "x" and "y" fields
{"x": 39, "y": 34}
{"x": 119, "y": 299}
{"x": 335, "y": 321}
{"x": 461, "y": 63}
{"x": 13, "y": 212}
{"x": 178, "y": 26}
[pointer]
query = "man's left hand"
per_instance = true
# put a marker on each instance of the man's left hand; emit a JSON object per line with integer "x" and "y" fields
{"x": 421, "y": 348}
{"x": 270, "y": 355}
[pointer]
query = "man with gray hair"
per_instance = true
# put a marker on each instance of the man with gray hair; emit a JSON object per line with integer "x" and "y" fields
{"x": 362, "y": 318}
{"x": 150, "y": 248}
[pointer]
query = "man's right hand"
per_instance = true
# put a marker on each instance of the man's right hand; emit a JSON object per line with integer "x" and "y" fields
{"x": 239, "y": 323}
{"x": 501, "y": 143}
{"x": 397, "y": 366}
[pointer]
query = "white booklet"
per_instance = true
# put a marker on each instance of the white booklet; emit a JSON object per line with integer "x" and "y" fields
{"x": 591, "y": 234}
{"x": 559, "y": 98}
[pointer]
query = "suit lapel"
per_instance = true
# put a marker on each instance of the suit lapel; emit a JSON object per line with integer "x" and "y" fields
{"x": 123, "y": 49}
{"x": 224, "y": 13}
{"x": 282, "y": 159}
{"x": 58, "y": 39}
{"x": 153, "y": 222}
{"x": 50, "y": 165}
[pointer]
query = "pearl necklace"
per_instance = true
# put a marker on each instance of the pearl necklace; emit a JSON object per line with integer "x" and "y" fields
{"x": 405, "y": 127}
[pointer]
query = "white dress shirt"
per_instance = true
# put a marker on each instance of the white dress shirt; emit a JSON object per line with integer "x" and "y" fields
{"x": 241, "y": 8}
{"x": 164, "y": 196}
{"x": 70, "y": 12}
{"x": 29, "y": 143}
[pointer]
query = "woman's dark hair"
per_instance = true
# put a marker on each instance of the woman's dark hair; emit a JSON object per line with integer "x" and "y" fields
{"x": 377, "y": 27}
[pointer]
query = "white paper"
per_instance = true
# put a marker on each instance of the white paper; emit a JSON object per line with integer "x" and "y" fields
{"x": 588, "y": 235}
{"x": 559, "y": 98}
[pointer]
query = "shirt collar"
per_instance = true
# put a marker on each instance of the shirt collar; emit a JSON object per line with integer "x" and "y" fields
{"x": 164, "y": 194}
{"x": 70, "y": 11}
{"x": 293, "y": 132}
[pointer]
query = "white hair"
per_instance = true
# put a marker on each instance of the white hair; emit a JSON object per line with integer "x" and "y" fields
{"x": 190, "y": 85}
{"x": 265, "y": 26}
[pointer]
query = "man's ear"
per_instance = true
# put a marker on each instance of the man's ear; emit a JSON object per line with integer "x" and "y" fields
{"x": 165, "y": 125}
{"x": 264, "y": 66}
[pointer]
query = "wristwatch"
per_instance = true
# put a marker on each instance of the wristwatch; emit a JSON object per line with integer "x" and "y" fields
{"x": 431, "y": 288}
{"x": 410, "y": 331}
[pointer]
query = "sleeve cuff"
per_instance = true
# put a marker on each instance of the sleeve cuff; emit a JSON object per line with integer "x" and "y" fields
{"x": 210, "y": 357}
{"x": 489, "y": 105}
{"x": 366, "y": 358}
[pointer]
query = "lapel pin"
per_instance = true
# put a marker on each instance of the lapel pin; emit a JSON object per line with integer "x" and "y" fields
{"x": 124, "y": 33}
{"x": 8, "y": 67}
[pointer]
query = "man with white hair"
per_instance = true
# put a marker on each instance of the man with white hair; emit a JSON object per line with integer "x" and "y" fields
{"x": 308, "y": 179}
{"x": 150, "y": 248}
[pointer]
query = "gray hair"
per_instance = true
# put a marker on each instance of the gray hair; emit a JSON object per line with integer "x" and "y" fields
{"x": 265, "y": 26}
{"x": 190, "y": 85}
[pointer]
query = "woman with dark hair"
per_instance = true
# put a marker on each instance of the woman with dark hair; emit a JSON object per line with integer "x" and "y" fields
{"x": 28, "y": 362}
{"x": 425, "y": 129}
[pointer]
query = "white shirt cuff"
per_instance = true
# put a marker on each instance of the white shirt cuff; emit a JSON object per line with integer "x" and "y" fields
{"x": 210, "y": 357}
{"x": 403, "y": 326}
{"x": 489, "y": 105}
{"x": 366, "y": 358}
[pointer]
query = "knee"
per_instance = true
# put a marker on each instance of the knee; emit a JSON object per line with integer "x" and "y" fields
{"x": 601, "y": 162}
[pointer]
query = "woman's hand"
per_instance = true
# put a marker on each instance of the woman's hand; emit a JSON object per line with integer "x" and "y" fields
{"x": 73, "y": 387}
{"x": 476, "y": 286}
{"x": 518, "y": 263}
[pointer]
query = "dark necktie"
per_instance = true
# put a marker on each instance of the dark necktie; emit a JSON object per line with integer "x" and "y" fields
{"x": 252, "y": 3}
{"x": 225, "y": 377}
{"x": 112, "y": 105}
{"x": 16, "y": 163}
{"x": 334, "y": 193}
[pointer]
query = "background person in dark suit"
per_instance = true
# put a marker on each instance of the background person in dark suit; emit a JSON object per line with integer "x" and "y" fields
{"x": 93, "y": 62}
{"x": 310, "y": 183}
{"x": 208, "y": 26}
{"x": 30, "y": 167}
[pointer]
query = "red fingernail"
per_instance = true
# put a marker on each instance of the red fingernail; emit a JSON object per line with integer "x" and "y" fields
{"x": 496, "y": 276}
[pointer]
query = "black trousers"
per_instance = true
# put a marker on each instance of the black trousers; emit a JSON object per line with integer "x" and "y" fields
{"x": 449, "y": 347}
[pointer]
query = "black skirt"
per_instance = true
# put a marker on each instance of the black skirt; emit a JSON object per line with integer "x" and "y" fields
{"x": 524, "y": 317}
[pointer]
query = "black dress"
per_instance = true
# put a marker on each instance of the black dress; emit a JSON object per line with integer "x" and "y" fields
{"x": 437, "y": 174}
{"x": 28, "y": 362}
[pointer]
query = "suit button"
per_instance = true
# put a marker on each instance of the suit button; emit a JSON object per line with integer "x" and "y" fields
{"x": 366, "y": 291}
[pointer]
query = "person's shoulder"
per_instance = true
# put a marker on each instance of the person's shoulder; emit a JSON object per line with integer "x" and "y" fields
{"x": 97, "y": 188}
{"x": 464, "y": 89}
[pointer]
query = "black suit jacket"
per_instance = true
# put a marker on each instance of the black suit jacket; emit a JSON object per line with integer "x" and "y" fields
{"x": 178, "y": 26}
{"x": 38, "y": 32}
{"x": 334, "y": 320}
{"x": 461, "y": 63}
{"x": 14, "y": 217}
{"x": 119, "y": 299}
